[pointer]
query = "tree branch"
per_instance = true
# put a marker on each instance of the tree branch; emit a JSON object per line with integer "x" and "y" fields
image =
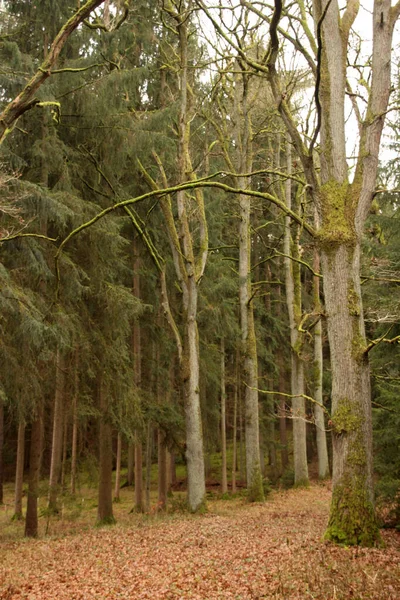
{"x": 26, "y": 100}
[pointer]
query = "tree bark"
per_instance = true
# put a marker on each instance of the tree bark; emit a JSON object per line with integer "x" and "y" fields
{"x": 35, "y": 458}
{"x": 1, "y": 450}
{"x": 248, "y": 336}
{"x": 162, "y": 470}
{"x": 131, "y": 463}
{"x": 224, "y": 479}
{"x": 74, "y": 443}
{"x": 149, "y": 440}
{"x": 322, "y": 447}
{"x": 118, "y": 469}
{"x": 139, "y": 507}
{"x": 105, "y": 514}
{"x": 58, "y": 418}
{"x": 19, "y": 471}
{"x": 293, "y": 300}
{"x": 235, "y": 418}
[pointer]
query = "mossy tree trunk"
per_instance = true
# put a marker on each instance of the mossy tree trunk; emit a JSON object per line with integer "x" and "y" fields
{"x": 343, "y": 207}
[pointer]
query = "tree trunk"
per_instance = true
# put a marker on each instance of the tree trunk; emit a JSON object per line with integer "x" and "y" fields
{"x": 74, "y": 444}
{"x": 282, "y": 413}
{"x": 64, "y": 452}
{"x": 138, "y": 475}
{"x": 131, "y": 463}
{"x": 172, "y": 469}
{"x": 137, "y": 378}
{"x": 194, "y": 430}
{"x": 118, "y": 469}
{"x": 224, "y": 483}
{"x": 293, "y": 300}
{"x": 352, "y": 518}
{"x": 19, "y": 472}
{"x": 248, "y": 336}
{"x": 162, "y": 470}
{"x": 105, "y": 506}
{"x": 322, "y": 448}
{"x": 35, "y": 457}
{"x": 1, "y": 449}
{"x": 148, "y": 464}
{"x": 235, "y": 411}
{"x": 58, "y": 418}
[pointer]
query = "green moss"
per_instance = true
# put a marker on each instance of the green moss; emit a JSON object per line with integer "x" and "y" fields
{"x": 201, "y": 508}
{"x": 345, "y": 419}
{"x": 358, "y": 344}
{"x": 107, "y": 521}
{"x": 302, "y": 483}
{"x": 353, "y": 301}
{"x": 256, "y": 490}
{"x": 337, "y": 219}
{"x": 352, "y": 519}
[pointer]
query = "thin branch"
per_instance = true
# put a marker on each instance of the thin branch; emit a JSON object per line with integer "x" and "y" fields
{"x": 318, "y": 77}
{"x": 273, "y": 393}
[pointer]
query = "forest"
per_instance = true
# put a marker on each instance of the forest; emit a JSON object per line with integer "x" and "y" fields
{"x": 199, "y": 305}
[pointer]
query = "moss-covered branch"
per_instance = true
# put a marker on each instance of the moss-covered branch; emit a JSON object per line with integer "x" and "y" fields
{"x": 26, "y": 99}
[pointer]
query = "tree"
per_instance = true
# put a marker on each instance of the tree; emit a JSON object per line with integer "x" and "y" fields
{"x": 342, "y": 206}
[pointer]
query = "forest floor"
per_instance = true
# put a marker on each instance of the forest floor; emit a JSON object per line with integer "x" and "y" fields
{"x": 234, "y": 551}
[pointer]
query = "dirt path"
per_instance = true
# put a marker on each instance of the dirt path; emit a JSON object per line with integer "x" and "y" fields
{"x": 236, "y": 551}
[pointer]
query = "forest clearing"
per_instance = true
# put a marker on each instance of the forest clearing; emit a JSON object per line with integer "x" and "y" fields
{"x": 235, "y": 550}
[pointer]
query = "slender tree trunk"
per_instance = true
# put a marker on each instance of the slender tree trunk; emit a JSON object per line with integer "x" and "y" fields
{"x": 139, "y": 507}
{"x": 172, "y": 470}
{"x": 19, "y": 472}
{"x": 105, "y": 506}
{"x": 118, "y": 469}
{"x": 162, "y": 470}
{"x": 149, "y": 440}
{"x": 1, "y": 449}
{"x": 137, "y": 376}
{"x": 235, "y": 412}
{"x": 74, "y": 444}
{"x": 293, "y": 299}
{"x": 131, "y": 463}
{"x": 224, "y": 483}
{"x": 74, "y": 448}
{"x": 248, "y": 336}
{"x": 322, "y": 448}
{"x": 242, "y": 464}
{"x": 282, "y": 413}
{"x": 56, "y": 448}
{"x": 64, "y": 451}
{"x": 35, "y": 458}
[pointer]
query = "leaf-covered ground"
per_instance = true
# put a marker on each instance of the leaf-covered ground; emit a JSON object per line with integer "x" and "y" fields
{"x": 235, "y": 551}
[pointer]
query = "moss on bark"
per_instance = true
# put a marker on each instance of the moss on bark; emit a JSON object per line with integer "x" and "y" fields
{"x": 256, "y": 490}
{"x": 352, "y": 519}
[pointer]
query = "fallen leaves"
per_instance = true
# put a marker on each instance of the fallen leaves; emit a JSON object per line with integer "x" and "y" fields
{"x": 236, "y": 552}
